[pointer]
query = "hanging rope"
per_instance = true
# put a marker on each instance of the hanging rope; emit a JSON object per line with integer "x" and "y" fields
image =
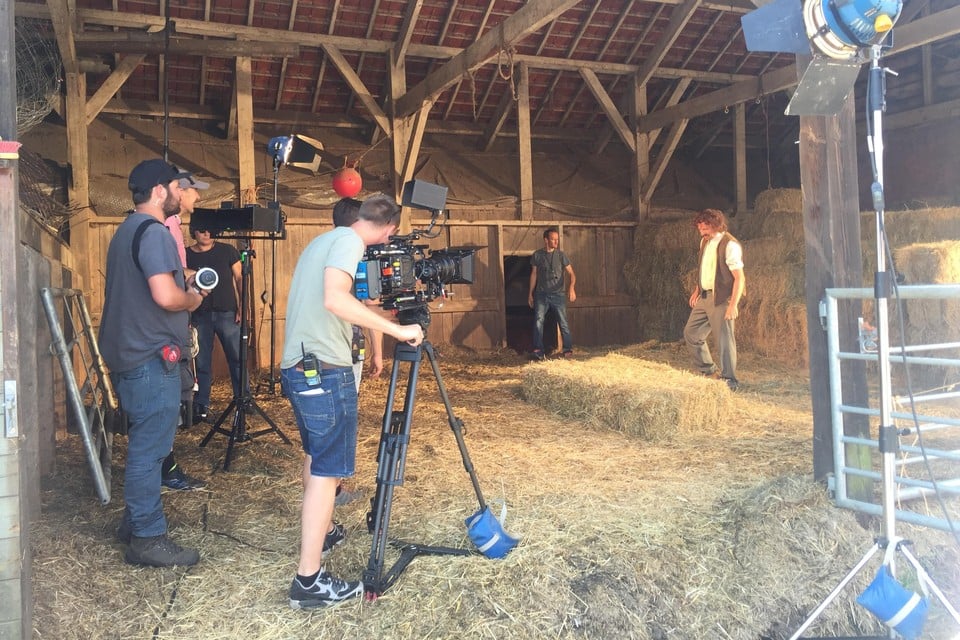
{"x": 507, "y": 75}
{"x": 473, "y": 93}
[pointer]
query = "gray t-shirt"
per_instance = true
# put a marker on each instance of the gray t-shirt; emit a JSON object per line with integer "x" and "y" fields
{"x": 550, "y": 268}
{"x": 308, "y": 322}
{"x": 133, "y": 327}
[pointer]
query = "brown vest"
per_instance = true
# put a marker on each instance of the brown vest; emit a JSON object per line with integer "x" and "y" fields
{"x": 723, "y": 279}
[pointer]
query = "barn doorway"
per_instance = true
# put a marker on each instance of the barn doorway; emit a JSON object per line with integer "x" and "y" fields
{"x": 519, "y": 315}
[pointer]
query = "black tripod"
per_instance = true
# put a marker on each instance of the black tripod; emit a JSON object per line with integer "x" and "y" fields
{"x": 391, "y": 456}
{"x": 242, "y": 401}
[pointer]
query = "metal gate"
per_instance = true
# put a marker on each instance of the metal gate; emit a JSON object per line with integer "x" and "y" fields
{"x": 93, "y": 402}
{"x": 927, "y": 420}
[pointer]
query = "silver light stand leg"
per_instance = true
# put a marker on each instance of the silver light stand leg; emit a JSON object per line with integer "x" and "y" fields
{"x": 888, "y": 438}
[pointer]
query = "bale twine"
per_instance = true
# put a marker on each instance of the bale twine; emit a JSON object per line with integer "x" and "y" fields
{"x": 647, "y": 399}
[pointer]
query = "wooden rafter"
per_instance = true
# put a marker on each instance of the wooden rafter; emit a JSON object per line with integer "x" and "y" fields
{"x": 323, "y": 63}
{"x": 358, "y": 88}
{"x": 363, "y": 54}
{"x": 283, "y": 64}
{"x": 571, "y": 48}
{"x": 111, "y": 85}
{"x": 528, "y": 19}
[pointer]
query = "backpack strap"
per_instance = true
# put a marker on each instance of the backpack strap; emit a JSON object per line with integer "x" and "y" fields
{"x": 137, "y": 237}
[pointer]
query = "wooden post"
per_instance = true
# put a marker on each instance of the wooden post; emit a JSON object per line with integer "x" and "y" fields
{"x": 831, "y": 222}
{"x": 248, "y": 168}
{"x": 16, "y": 612}
{"x": 641, "y": 157}
{"x": 523, "y": 140}
{"x": 740, "y": 155}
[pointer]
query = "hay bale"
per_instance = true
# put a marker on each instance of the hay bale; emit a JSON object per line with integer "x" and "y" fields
{"x": 778, "y": 201}
{"x": 782, "y": 225}
{"x": 647, "y": 399}
{"x": 668, "y": 236}
{"x": 774, "y": 251}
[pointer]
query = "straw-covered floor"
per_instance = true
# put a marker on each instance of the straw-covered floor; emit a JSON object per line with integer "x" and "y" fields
{"x": 715, "y": 532}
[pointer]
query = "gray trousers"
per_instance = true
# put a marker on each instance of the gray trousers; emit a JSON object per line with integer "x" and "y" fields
{"x": 705, "y": 318}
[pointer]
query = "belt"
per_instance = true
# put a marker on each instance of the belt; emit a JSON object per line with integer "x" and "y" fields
{"x": 323, "y": 365}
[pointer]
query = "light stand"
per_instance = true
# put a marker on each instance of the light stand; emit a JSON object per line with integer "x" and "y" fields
{"x": 391, "y": 457}
{"x": 273, "y": 379}
{"x": 888, "y": 436}
{"x": 243, "y": 402}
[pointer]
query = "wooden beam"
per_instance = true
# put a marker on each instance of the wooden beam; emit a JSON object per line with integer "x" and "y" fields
{"x": 524, "y": 144}
{"x": 354, "y": 44}
{"x": 111, "y": 85}
{"x": 666, "y": 153}
{"x": 153, "y": 43}
{"x": 641, "y": 156}
{"x": 247, "y": 163}
{"x": 75, "y": 85}
{"x": 678, "y": 20}
{"x": 606, "y": 102}
{"x": 359, "y": 89}
{"x": 526, "y": 20}
{"x": 831, "y": 225}
{"x": 770, "y": 82}
{"x": 283, "y": 64}
{"x": 740, "y": 156}
{"x": 497, "y": 121}
{"x": 406, "y": 29}
{"x": 64, "y": 19}
{"x": 936, "y": 26}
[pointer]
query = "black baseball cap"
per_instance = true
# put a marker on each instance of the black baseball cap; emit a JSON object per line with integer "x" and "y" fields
{"x": 149, "y": 173}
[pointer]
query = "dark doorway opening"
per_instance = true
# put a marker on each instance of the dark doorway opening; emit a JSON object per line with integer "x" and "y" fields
{"x": 519, "y": 315}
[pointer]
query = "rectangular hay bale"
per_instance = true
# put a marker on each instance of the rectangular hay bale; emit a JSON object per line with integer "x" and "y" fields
{"x": 647, "y": 399}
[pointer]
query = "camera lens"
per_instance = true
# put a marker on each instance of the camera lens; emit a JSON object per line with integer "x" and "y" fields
{"x": 206, "y": 278}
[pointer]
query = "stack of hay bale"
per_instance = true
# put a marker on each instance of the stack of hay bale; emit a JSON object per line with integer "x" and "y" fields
{"x": 773, "y": 316}
{"x": 926, "y": 250}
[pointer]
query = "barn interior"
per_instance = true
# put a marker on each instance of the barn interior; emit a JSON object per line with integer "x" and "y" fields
{"x": 614, "y": 121}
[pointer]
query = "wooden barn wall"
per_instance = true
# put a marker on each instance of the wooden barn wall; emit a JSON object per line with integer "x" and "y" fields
{"x": 43, "y": 262}
{"x": 474, "y": 315}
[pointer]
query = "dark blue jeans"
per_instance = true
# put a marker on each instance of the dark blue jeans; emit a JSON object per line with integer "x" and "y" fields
{"x": 327, "y": 418}
{"x": 223, "y": 325}
{"x": 558, "y": 302}
{"x": 150, "y": 396}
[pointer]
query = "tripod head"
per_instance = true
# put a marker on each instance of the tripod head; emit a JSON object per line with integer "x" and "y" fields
{"x": 418, "y": 314}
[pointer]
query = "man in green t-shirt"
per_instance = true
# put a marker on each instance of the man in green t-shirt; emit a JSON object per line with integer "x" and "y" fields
{"x": 316, "y": 374}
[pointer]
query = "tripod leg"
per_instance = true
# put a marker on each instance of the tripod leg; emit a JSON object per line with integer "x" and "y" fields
{"x": 924, "y": 579}
{"x": 266, "y": 418}
{"x": 836, "y": 591}
{"x": 391, "y": 458}
{"x": 216, "y": 426}
{"x": 456, "y": 424}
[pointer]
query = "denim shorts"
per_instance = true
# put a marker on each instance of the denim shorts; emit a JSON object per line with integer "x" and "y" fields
{"x": 327, "y": 418}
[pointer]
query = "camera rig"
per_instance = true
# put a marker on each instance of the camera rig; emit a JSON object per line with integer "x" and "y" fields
{"x": 400, "y": 274}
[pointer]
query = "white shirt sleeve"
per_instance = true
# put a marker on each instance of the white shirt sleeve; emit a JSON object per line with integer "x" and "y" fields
{"x": 734, "y": 257}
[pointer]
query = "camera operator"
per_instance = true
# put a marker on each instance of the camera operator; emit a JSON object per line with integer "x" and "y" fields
{"x": 317, "y": 376}
{"x": 143, "y": 331}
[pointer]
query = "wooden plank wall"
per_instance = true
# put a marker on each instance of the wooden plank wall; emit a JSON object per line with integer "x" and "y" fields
{"x": 474, "y": 316}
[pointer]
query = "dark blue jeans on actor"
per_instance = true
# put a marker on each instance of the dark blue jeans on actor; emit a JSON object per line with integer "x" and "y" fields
{"x": 150, "y": 397}
{"x": 222, "y": 324}
{"x": 542, "y": 303}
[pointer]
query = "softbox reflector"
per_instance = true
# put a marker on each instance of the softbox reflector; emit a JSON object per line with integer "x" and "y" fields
{"x": 776, "y": 27}
{"x": 824, "y": 87}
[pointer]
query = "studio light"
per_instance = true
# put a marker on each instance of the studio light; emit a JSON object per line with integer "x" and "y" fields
{"x": 297, "y": 151}
{"x": 836, "y": 32}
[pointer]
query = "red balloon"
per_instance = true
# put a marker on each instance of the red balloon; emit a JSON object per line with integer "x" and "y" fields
{"x": 347, "y": 182}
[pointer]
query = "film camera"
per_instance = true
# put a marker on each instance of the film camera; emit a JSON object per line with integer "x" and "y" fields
{"x": 401, "y": 275}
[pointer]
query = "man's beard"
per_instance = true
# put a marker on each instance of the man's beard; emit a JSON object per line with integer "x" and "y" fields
{"x": 170, "y": 206}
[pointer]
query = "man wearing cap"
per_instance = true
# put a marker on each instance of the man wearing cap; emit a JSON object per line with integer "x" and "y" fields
{"x": 143, "y": 332}
{"x": 218, "y": 315}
